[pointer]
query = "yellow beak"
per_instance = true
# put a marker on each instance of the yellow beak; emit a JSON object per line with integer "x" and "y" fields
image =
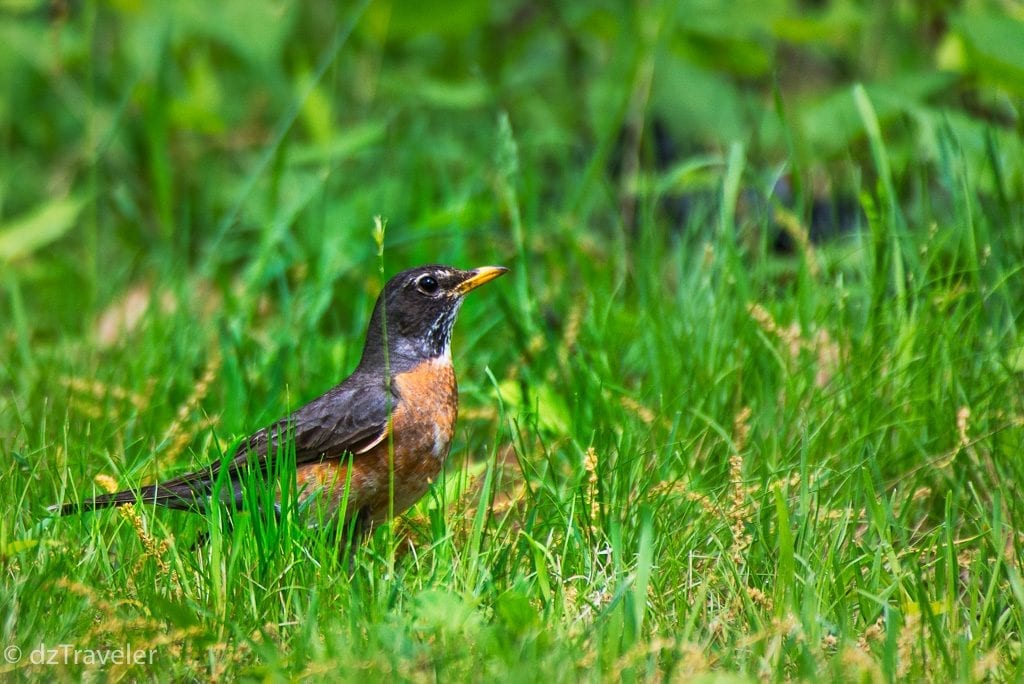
{"x": 484, "y": 274}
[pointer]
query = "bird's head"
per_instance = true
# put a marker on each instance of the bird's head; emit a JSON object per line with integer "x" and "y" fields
{"x": 416, "y": 310}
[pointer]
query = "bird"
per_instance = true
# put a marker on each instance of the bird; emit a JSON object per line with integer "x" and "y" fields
{"x": 370, "y": 447}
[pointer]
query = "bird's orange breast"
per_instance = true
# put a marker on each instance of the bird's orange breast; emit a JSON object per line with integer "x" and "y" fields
{"x": 422, "y": 425}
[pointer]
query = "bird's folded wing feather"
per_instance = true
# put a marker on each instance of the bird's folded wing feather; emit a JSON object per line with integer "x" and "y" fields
{"x": 351, "y": 418}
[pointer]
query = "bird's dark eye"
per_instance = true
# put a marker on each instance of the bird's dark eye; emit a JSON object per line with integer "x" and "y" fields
{"x": 427, "y": 284}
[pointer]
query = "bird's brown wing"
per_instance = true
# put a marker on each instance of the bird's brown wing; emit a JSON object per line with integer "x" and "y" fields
{"x": 351, "y": 419}
{"x": 347, "y": 420}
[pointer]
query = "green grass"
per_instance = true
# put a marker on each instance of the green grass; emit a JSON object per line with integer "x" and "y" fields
{"x": 680, "y": 452}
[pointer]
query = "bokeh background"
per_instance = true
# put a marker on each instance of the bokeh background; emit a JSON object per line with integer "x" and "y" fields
{"x": 199, "y": 127}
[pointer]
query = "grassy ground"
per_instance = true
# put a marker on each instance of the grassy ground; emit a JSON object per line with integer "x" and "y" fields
{"x": 681, "y": 451}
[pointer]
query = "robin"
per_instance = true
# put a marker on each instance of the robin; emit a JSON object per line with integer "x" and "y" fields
{"x": 384, "y": 432}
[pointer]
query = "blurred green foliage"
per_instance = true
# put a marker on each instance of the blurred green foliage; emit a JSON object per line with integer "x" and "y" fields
{"x": 165, "y": 115}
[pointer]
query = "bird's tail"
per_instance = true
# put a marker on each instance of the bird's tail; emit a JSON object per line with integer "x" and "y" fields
{"x": 184, "y": 493}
